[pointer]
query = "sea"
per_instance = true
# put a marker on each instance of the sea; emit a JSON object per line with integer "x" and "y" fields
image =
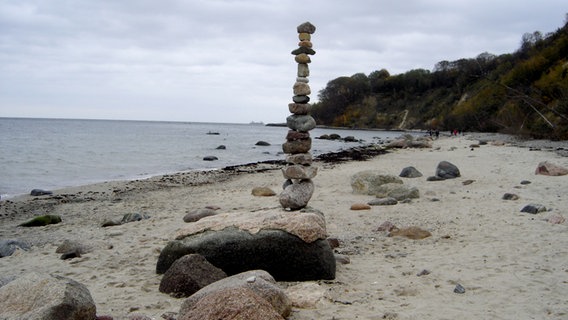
{"x": 52, "y": 154}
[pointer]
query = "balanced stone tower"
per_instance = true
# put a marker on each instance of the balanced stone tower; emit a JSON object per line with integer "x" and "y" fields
{"x": 298, "y": 171}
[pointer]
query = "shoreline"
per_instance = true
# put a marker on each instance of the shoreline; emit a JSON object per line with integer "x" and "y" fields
{"x": 510, "y": 263}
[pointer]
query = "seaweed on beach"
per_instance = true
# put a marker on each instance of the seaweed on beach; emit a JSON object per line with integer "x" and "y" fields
{"x": 353, "y": 154}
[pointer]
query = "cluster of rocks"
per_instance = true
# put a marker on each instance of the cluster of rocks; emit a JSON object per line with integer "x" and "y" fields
{"x": 390, "y": 189}
{"x": 299, "y": 172}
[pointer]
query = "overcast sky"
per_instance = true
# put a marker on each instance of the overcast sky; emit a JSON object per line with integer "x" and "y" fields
{"x": 229, "y": 60}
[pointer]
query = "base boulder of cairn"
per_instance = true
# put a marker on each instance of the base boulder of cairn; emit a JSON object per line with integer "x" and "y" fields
{"x": 291, "y": 246}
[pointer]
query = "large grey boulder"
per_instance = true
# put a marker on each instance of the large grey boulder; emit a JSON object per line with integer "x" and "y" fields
{"x": 369, "y": 181}
{"x": 42, "y": 297}
{"x": 291, "y": 246}
{"x": 259, "y": 281}
{"x": 447, "y": 170}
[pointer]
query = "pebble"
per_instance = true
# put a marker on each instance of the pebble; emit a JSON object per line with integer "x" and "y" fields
{"x": 459, "y": 289}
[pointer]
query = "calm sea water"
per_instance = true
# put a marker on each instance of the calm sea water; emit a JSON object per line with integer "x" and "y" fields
{"x": 56, "y": 153}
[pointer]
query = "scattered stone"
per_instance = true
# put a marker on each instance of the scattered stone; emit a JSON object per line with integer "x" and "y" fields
{"x": 342, "y": 259}
{"x": 333, "y": 242}
{"x": 388, "y": 201}
{"x": 221, "y": 147}
{"x": 435, "y": 178}
{"x": 234, "y": 303}
{"x": 305, "y": 295}
{"x": 8, "y": 247}
{"x": 70, "y": 255}
{"x": 413, "y": 233}
{"x": 41, "y": 221}
{"x": 369, "y": 181}
{"x": 262, "y": 143}
{"x": 360, "y": 206}
{"x": 459, "y": 289}
{"x": 410, "y": 172}
{"x": 189, "y": 274}
{"x": 447, "y": 170}
{"x": 40, "y": 296}
{"x": 134, "y": 217}
{"x": 258, "y": 281}
{"x": 525, "y": 182}
{"x": 533, "y": 208}
{"x": 424, "y": 272}
{"x": 510, "y": 196}
{"x": 138, "y": 316}
{"x": 40, "y": 192}
{"x": 386, "y": 226}
{"x": 197, "y": 214}
{"x": 70, "y": 245}
{"x": 263, "y": 192}
{"x": 549, "y": 169}
{"x": 556, "y": 219}
{"x": 210, "y": 158}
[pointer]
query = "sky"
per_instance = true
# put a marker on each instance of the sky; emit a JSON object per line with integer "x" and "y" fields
{"x": 230, "y": 61}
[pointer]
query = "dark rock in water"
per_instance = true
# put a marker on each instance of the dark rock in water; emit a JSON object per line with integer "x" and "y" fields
{"x": 8, "y": 247}
{"x": 189, "y": 274}
{"x": 350, "y": 139}
{"x": 210, "y": 158}
{"x": 40, "y": 296}
{"x": 259, "y": 281}
{"x": 40, "y": 192}
{"x": 410, "y": 172}
{"x": 447, "y": 170}
{"x": 533, "y": 208}
{"x": 510, "y": 196}
{"x": 285, "y": 256}
{"x": 196, "y": 215}
{"x": 221, "y": 147}
{"x": 41, "y": 221}
{"x": 262, "y": 143}
{"x": 334, "y": 136}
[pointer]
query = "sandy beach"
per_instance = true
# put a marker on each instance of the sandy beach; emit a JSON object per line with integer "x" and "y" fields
{"x": 512, "y": 265}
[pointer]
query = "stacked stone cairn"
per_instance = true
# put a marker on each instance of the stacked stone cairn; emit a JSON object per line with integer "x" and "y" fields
{"x": 298, "y": 171}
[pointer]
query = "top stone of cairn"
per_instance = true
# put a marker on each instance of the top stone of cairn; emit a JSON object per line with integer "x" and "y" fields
{"x": 306, "y": 27}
